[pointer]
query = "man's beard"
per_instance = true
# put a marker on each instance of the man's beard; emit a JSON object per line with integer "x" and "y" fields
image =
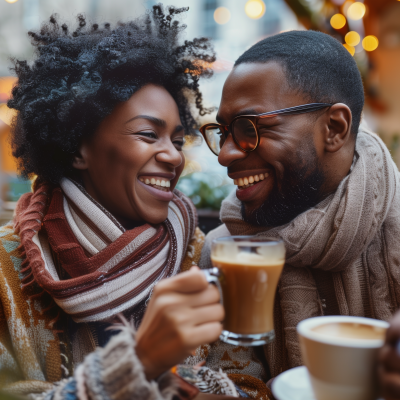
{"x": 300, "y": 190}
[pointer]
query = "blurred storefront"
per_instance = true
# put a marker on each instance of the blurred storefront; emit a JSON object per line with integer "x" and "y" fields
{"x": 11, "y": 185}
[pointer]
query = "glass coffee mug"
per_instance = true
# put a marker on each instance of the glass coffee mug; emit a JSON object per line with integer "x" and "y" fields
{"x": 247, "y": 271}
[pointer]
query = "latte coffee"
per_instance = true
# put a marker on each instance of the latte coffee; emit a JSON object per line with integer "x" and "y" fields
{"x": 248, "y": 287}
{"x": 248, "y": 274}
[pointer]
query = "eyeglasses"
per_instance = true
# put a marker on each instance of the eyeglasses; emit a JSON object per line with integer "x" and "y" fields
{"x": 244, "y": 128}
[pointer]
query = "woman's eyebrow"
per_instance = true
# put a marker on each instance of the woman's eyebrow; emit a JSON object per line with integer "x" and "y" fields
{"x": 178, "y": 128}
{"x": 157, "y": 121}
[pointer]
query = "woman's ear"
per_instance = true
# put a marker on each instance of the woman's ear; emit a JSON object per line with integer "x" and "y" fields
{"x": 338, "y": 130}
{"x": 80, "y": 158}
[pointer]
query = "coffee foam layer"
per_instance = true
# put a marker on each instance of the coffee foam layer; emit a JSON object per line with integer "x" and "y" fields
{"x": 350, "y": 330}
{"x": 249, "y": 259}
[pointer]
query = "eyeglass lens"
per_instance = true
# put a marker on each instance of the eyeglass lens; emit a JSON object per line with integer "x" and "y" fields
{"x": 244, "y": 133}
{"x": 215, "y": 138}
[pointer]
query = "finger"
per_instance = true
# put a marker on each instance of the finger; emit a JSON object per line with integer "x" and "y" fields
{"x": 208, "y": 296}
{"x": 207, "y": 314}
{"x": 187, "y": 300}
{"x": 187, "y": 282}
{"x": 200, "y": 299}
{"x": 390, "y": 358}
{"x": 203, "y": 334}
{"x": 393, "y": 332}
{"x": 390, "y": 385}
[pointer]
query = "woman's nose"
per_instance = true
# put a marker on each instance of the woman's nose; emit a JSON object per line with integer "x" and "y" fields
{"x": 170, "y": 155}
{"x": 230, "y": 152}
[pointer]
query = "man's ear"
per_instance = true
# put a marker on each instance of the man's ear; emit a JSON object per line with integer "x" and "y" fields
{"x": 338, "y": 130}
{"x": 80, "y": 158}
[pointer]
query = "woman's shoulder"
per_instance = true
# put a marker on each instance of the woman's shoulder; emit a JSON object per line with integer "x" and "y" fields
{"x": 10, "y": 251}
{"x": 11, "y": 259}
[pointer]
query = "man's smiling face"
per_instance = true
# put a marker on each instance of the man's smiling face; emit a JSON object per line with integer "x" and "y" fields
{"x": 285, "y": 175}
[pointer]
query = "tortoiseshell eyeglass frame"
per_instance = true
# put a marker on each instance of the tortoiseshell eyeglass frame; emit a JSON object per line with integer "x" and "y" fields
{"x": 226, "y": 129}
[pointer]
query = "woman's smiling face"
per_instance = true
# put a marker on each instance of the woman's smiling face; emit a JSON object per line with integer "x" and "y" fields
{"x": 133, "y": 161}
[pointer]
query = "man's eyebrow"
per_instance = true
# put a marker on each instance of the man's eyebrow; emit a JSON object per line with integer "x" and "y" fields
{"x": 156, "y": 121}
{"x": 249, "y": 111}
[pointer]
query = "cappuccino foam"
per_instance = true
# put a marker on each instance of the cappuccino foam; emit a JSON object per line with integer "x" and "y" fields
{"x": 350, "y": 330}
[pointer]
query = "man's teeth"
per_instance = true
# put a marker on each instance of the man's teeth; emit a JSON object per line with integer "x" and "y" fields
{"x": 250, "y": 180}
{"x": 157, "y": 182}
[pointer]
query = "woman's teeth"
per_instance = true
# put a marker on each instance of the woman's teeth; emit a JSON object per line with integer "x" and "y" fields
{"x": 244, "y": 183}
{"x": 158, "y": 183}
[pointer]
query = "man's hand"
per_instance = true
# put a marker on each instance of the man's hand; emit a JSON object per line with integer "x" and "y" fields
{"x": 389, "y": 362}
{"x": 184, "y": 312}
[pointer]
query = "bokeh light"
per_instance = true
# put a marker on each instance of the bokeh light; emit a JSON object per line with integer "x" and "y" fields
{"x": 356, "y": 11}
{"x": 255, "y": 9}
{"x": 352, "y": 38}
{"x": 350, "y": 49}
{"x": 222, "y": 15}
{"x": 338, "y": 21}
{"x": 11, "y": 1}
{"x": 370, "y": 43}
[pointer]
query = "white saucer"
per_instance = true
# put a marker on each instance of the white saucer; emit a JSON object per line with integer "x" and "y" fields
{"x": 293, "y": 384}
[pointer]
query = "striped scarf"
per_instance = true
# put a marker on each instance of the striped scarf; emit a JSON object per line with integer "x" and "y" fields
{"x": 91, "y": 266}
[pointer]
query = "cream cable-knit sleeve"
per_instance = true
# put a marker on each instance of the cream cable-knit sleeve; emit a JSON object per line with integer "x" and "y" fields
{"x": 115, "y": 372}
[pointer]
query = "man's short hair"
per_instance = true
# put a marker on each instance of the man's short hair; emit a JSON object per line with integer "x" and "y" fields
{"x": 317, "y": 65}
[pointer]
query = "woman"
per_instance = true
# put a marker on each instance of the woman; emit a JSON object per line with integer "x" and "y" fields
{"x": 102, "y": 115}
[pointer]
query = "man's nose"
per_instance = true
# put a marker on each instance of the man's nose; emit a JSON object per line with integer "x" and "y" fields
{"x": 230, "y": 152}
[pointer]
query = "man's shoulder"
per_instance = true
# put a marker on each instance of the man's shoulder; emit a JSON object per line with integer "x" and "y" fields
{"x": 221, "y": 231}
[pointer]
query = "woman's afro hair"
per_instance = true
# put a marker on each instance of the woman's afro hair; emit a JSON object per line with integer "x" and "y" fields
{"x": 78, "y": 77}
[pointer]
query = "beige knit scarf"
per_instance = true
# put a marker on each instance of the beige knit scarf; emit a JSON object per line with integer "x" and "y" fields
{"x": 354, "y": 235}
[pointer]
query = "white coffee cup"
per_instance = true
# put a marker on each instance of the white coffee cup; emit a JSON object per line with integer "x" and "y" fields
{"x": 341, "y": 360}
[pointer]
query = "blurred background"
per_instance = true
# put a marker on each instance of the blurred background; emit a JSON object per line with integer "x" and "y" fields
{"x": 369, "y": 29}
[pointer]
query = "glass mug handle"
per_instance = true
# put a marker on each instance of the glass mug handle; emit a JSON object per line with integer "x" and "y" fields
{"x": 212, "y": 276}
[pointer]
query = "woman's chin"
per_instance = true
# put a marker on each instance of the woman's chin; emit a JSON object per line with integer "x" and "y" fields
{"x": 156, "y": 218}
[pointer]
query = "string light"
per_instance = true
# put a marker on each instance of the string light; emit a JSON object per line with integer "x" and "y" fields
{"x": 356, "y": 11}
{"x": 350, "y": 49}
{"x": 338, "y": 21}
{"x": 352, "y": 38}
{"x": 222, "y": 15}
{"x": 255, "y": 9}
{"x": 370, "y": 43}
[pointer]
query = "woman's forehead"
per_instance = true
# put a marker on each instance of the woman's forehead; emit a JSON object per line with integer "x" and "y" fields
{"x": 151, "y": 100}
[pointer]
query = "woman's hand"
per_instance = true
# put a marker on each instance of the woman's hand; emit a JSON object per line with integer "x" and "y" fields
{"x": 389, "y": 362}
{"x": 184, "y": 312}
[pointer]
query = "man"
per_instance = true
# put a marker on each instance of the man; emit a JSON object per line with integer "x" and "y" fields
{"x": 313, "y": 177}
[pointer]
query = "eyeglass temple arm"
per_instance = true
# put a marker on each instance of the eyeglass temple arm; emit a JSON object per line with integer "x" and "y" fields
{"x": 296, "y": 110}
